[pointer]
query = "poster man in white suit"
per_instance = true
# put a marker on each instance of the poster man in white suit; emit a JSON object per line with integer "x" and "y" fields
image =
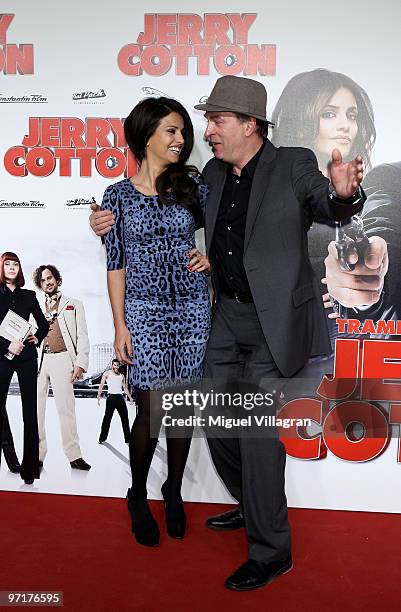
{"x": 63, "y": 358}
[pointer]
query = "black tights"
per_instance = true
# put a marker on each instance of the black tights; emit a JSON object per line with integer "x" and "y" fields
{"x": 143, "y": 441}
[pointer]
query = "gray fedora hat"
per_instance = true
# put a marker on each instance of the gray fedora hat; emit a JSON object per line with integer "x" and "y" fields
{"x": 237, "y": 95}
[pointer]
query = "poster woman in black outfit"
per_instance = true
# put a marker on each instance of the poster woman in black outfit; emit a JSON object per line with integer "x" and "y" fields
{"x": 25, "y": 362}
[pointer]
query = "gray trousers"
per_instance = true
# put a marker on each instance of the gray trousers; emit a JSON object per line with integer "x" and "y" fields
{"x": 252, "y": 468}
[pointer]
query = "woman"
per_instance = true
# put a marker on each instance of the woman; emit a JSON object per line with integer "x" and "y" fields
{"x": 324, "y": 110}
{"x": 24, "y": 361}
{"x": 161, "y": 309}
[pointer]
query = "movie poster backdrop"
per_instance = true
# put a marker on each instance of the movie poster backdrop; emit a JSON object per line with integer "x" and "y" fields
{"x": 70, "y": 74}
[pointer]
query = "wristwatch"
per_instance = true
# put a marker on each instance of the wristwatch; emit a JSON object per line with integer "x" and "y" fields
{"x": 351, "y": 200}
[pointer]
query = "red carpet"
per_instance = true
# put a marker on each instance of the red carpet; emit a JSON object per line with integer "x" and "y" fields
{"x": 83, "y": 546}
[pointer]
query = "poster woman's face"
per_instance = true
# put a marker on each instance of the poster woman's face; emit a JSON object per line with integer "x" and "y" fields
{"x": 11, "y": 269}
{"x": 338, "y": 125}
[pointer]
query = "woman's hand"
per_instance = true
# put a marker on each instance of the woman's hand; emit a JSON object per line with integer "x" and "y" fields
{"x": 32, "y": 339}
{"x": 123, "y": 345}
{"x": 198, "y": 262}
{"x": 15, "y": 347}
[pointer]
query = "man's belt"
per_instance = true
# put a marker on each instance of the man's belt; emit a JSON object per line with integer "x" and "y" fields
{"x": 242, "y": 297}
{"x": 47, "y": 349}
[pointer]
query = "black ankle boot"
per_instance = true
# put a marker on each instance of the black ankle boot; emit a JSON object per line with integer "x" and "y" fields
{"x": 144, "y": 526}
{"x": 175, "y": 515}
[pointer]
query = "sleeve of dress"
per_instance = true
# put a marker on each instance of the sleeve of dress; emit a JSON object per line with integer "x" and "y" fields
{"x": 43, "y": 325}
{"x": 114, "y": 240}
{"x": 4, "y": 343}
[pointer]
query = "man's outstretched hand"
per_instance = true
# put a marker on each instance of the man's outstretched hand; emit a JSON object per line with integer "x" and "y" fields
{"x": 345, "y": 177}
{"x": 100, "y": 220}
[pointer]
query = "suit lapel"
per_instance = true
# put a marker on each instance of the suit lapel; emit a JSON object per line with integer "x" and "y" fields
{"x": 63, "y": 304}
{"x": 260, "y": 183}
{"x": 213, "y": 203}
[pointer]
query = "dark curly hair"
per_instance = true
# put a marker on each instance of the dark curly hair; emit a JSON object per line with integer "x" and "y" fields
{"x": 37, "y": 275}
{"x": 176, "y": 183}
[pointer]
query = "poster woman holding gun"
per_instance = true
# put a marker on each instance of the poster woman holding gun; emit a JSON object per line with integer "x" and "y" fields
{"x": 21, "y": 357}
{"x": 325, "y": 110}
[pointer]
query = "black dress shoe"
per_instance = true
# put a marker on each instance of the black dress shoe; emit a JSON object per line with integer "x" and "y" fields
{"x": 233, "y": 519}
{"x": 176, "y": 521}
{"x": 80, "y": 464}
{"x": 144, "y": 526}
{"x": 255, "y": 574}
{"x": 28, "y": 481}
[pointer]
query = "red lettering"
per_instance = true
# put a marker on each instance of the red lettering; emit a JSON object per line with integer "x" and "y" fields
{"x": 189, "y": 29}
{"x": 297, "y": 442}
{"x": 216, "y": 28}
{"x": 148, "y": 36}
{"x": 126, "y": 57}
{"x": 156, "y": 60}
{"x": 354, "y": 326}
{"x": 72, "y": 130}
{"x": 97, "y": 130}
{"x": 368, "y": 327}
{"x": 32, "y": 139}
{"x": 14, "y": 161}
{"x": 229, "y": 59}
{"x": 167, "y": 29}
{"x": 260, "y": 60}
{"x": 344, "y": 381}
{"x": 19, "y": 58}
{"x": 65, "y": 156}
{"x": 85, "y": 156}
{"x": 381, "y": 363}
{"x": 241, "y": 25}
{"x": 339, "y": 437}
{"x": 5, "y": 21}
{"x": 50, "y": 129}
{"x": 387, "y": 327}
{"x": 203, "y": 54}
{"x": 181, "y": 53}
{"x": 40, "y": 161}
{"x": 341, "y": 325}
{"x": 102, "y": 162}
{"x": 117, "y": 127}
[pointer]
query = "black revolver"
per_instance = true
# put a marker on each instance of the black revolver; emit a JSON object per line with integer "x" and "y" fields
{"x": 350, "y": 238}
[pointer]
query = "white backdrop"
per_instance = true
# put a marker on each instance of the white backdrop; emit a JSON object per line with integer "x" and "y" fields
{"x": 75, "y": 50}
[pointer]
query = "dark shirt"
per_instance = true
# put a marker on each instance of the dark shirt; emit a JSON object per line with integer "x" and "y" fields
{"x": 24, "y": 303}
{"x": 229, "y": 233}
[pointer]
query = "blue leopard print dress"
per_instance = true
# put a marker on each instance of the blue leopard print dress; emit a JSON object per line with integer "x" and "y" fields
{"x": 167, "y": 308}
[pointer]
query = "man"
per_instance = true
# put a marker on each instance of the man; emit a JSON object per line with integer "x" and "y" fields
{"x": 116, "y": 386}
{"x": 63, "y": 358}
{"x": 269, "y": 317}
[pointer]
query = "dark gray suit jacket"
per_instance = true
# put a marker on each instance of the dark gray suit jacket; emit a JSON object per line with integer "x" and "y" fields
{"x": 288, "y": 193}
